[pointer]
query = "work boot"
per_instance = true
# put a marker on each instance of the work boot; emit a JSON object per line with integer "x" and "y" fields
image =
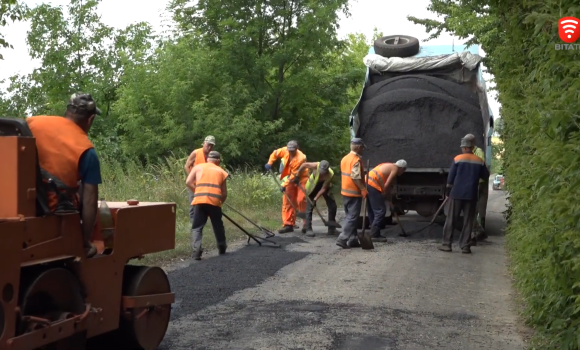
{"x": 286, "y": 229}
{"x": 197, "y": 254}
{"x": 482, "y": 236}
{"x": 376, "y": 235}
{"x": 353, "y": 243}
{"x": 466, "y": 250}
{"x": 309, "y": 232}
{"x": 473, "y": 241}
{"x": 222, "y": 249}
{"x": 445, "y": 248}
{"x": 342, "y": 243}
{"x": 332, "y": 231}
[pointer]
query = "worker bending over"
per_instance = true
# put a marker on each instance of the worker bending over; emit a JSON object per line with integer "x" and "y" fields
{"x": 207, "y": 181}
{"x": 290, "y": 161}
{"x": 380, "y": 180}
{"x": 198, "y": 156}
{"x": 319, "y": 185}
{"x": 478, "y": 232}
{"x": 353, "y": 190}
{"x": 462, "y": 187}
{"x": 67, "y": 156}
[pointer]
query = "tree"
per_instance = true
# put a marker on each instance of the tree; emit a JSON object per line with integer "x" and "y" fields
{"x": 10, "y": 10}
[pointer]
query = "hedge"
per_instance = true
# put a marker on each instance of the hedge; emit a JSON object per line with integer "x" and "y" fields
{"x": 538, "y": 80}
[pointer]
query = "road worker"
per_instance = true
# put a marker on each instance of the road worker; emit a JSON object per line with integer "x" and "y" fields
{"x": 207, "y": 181}
{"x": 380, "y": 180}
{"x": 478, "y": 232}
{"x": 353, "y": 190}
{"x": 67, "y": 156}
{"x": 319, "y": 185}
{"x": 198, "y": 156}
{"x": 291, "y": 158}
{"x": 462, "y": 187}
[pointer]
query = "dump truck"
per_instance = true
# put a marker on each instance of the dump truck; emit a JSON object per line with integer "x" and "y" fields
{"x": 53, "y": 297}
{"x": 417, "y": 102}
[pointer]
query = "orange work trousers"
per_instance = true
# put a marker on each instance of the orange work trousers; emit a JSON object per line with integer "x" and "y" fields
{"x": 298, "y": 198}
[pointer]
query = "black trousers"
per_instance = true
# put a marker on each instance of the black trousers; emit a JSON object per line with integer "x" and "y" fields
{"x": 201, "y": 212}
{"x": 330, "y": 203}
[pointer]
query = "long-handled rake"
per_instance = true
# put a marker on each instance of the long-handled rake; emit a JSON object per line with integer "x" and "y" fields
{"x": 257, "y": 239}
{"x": 266, "y": 232}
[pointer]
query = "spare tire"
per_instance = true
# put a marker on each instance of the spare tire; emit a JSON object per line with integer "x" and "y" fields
{"x": 422, "y": 82}
{"x": 397, "y": 46}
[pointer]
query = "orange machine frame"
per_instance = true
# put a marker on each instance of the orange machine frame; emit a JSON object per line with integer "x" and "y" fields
{"x": 27, "y": 240}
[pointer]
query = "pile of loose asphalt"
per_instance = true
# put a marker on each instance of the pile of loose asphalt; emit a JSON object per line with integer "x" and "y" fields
{"x": 418, "y": 118}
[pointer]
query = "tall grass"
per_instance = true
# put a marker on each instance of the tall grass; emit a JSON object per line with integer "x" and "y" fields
{"x": 254, "y": 194}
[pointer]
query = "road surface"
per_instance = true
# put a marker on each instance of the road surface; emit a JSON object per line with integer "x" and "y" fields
{"x": 313, "y": 295}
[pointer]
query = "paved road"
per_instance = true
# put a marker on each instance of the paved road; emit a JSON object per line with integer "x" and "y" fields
{"x": 312, "y": 295}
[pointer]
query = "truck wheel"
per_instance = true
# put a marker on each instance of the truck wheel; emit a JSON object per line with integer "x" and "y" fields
{"x": 397, "y": 46}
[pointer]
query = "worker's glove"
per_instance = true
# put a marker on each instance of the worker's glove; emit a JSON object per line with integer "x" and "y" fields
{"x": 296, "y": 181}
{"x": 268, "y": 166}
{"x": 282, "y": 189}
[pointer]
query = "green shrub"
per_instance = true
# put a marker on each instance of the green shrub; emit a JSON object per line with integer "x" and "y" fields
{"x": 253, "y": 194}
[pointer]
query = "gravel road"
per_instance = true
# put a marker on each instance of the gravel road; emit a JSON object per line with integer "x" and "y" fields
{"x": 310, "y": 294}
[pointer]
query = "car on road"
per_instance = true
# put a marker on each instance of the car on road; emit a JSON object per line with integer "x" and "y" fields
{"x": 498, "y": 182}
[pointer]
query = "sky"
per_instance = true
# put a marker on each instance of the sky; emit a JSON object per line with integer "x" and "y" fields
{"x": 389, "y": 17}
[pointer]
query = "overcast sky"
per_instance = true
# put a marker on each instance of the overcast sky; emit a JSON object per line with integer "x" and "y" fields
{"x": 390, "y": 17}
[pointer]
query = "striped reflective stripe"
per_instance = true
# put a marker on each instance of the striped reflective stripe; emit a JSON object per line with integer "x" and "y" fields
{"x": 207, "y": 185}
{"x": 345, "y": 174}
{"x": 379, "y": 180}
{"x": 201, "y": 194}
{"x": 349, "y": 191}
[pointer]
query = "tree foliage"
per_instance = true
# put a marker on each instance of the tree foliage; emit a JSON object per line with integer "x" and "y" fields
{"x": 10, "y": 11}
{"x": 255, "y": 74}
{"x": 538, "y": 89}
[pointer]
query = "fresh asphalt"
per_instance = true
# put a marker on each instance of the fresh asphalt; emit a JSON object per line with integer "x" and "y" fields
{"x": 310, "y": 294}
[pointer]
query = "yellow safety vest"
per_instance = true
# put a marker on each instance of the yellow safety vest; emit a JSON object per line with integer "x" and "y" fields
{"x": 313, "y": 179}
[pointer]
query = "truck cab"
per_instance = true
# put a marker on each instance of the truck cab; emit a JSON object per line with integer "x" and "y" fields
{"x": 417, "y": 105}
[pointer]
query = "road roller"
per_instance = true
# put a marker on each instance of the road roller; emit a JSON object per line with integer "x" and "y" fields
{"x": 52, "y": 295}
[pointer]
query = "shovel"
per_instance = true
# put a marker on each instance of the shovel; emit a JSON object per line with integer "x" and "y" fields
{"x": 266, "y": 232}
{"x": 432, "y": 220}
{"x": 301, "y": 215}
{"x": 365, "y": 240}
{"x": 329, "y": 223}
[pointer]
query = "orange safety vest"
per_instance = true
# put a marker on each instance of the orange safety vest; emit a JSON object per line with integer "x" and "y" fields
{"x": 377, "y": 178}
{"x": 60, "y": 144}
{"x": 348, "y": 186}
{"x": 208, "y": 189}
{"x": 288, "y": 170}
{"x": 199, "y": 157}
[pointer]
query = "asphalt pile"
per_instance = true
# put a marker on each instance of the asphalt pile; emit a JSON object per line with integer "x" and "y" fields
{"x": 423, "y": 125}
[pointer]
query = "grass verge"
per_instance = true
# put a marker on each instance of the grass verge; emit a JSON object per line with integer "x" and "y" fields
{"x": 252, "y": 193}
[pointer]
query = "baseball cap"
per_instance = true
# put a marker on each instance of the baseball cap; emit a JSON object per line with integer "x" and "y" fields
{"x": 323, "y": 167}
{"x": 358, "y": 141}
{"x": 469, "y": 137}
{"x": 466, "y": 142}
{"x": 214, "y": 155}
{"x": 210, "y": 139}
{"x": 401, "y": 163}
{"x": 292, "y": 146}
{"x": 83, "y": 104}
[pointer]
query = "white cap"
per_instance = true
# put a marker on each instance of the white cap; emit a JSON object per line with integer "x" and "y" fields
{"x": 401, "y": 163}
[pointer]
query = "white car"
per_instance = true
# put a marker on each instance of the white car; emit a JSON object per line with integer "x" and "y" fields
{"x": 498, "y": 182}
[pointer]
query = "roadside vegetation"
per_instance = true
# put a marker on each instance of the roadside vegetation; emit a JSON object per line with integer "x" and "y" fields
{"x": 538, "y": 89}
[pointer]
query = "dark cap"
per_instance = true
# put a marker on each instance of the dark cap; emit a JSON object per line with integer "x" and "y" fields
{"x": 214, "y": 155}
{"x": 323, "y": 166}
{"x": 83, "y": 104}
{"x": 358, "y": 141}
{"x": 292, "y": 146}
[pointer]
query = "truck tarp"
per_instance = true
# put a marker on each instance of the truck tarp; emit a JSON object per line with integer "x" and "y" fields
{"x": 422, "y": 110}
